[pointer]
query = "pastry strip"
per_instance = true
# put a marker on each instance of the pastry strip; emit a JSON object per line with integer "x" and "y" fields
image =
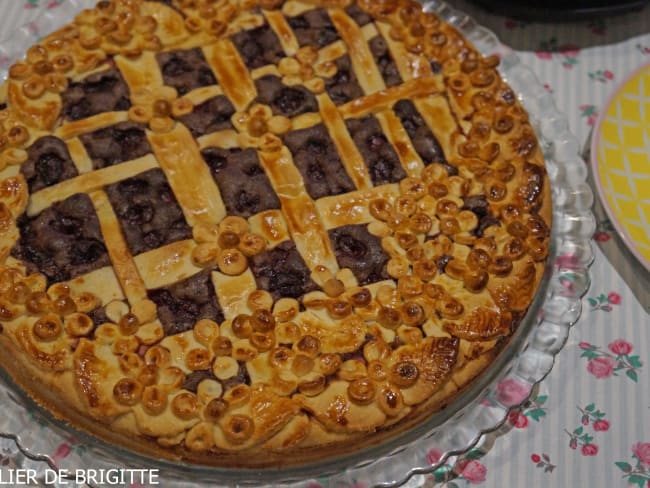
{"x": 281, "y": 27}
{"x": 295, "y": 7}
{"x": 363, "y": 62}
{"x": 79, "y": 155}
{"x": 437, "y": 114}
{"x": 338, "y": 48}
{"x": 392, "y": 126}
{"x": 232, "y": 73}
{"x": 352, "y": 208}
{"x": 203, "y": 94}
{"x": 188, "y": 175}
{"x": 167, "y": 265}
{"x": 303, "y": 220}
{"x": 87, "y": 182}
{"x": 102, "y": 283}
{"x": 409, "y": 65}
{"x": 141, "y": 73}
{"x": 118, "y": 251}
{"x": 226, "y": 139}
{"x": 233, "y": 292}
{"x": 386, "y": 98}
{"x": 96, "y": 122}
{"x": 350, "y": 155}
{"x": 270, "y": 224}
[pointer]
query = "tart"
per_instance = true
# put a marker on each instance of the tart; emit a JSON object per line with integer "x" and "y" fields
{"x": 233, "y": 227}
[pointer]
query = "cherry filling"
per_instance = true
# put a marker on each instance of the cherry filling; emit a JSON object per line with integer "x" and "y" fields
{"x": 314, "y": 28}
{"x": 378, "y": 153}
{"x": 48, "y": 162}
{"x": 318, "y": 161}
{"x": 258, "y": 47}
{"x": 104, "y": 91}
{"x": 185, "y": 70}
{"x": 343, "y": 86}
{"x": 424, "y": 142}
{"x": 357, "y": 249}
{"x": 244, "y": 187}
{"x": 147, "y": 211}
{"x": 285, "y": 100}
{"x": 385, "y": 62}
{"x": 282, "y": 272}
{"x": 184, "y": 303}
{"x": 63, "y": 241}
{"x": 115, "y": 144}
{"x": 210, "y": 116}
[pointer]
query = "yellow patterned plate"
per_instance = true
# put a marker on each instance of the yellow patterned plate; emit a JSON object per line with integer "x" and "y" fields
{"x": 620, "y": 158}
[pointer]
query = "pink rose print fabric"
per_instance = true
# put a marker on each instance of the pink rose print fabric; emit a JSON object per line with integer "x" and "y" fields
{"x": 512, "y": 391}
{"x": 592, "y": 421}
{"x": 641, "y": 451}
{"x": 616, "y": 359}
{"x": 601, "y": 367}
{"x": 533, "y": 409}
{"x": 473, "y": 471}
{"x": 568, "y": 53}
{"x": 604, "y": 302}
{"x": 637, "y": 472}
{"x": 543, "y": 461}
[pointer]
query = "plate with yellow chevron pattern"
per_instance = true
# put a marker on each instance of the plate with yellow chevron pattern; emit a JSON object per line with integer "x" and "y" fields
{"x": 620, "y": 159}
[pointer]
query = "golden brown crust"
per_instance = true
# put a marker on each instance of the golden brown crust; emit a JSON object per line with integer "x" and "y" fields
{"x": 347, "y": 364}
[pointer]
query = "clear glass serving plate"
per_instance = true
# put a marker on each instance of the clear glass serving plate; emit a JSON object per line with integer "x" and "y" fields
{"x": 31, "y": 439}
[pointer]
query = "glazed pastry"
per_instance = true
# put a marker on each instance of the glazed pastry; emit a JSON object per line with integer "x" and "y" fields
{"x": 233, "y": 226}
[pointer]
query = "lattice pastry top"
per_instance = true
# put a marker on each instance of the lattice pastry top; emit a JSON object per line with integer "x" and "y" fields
{"x": 236, "y": 225}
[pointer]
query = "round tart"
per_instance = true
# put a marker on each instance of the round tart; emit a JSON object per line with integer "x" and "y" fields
{"x": 233, "y": 227}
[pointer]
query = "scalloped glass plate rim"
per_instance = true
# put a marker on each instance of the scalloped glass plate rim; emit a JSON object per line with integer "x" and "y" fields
{"x": 405, "y": 445}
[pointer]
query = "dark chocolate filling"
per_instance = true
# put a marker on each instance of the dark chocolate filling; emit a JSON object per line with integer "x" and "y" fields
{"x": 115, "y": 144}
{"x": 244, "y": 187}
{"x": 314, "y": 28}
{"x": 379, "y": 155}
{"x": 184, "y": 303}
{"x": 105, "y": 91}
{"x": 193, "y": 379}
{"x": 185, "y": 70}
{"x": 424, "y": 142}
{"x": 318, "y": 161}
{"x": 285, "y": 100}
{"x": 359, "y": 250}
{"x": 63, "y": 241}
{"x": 48, "y": 162}
{"x": 385, "y": 62}
{"x": 282, "y": 272}
{"x": 258, "y": 47}
{"x": 343, "y": 86}
{"x": 242, "y": 377}
{"x": 147, "y": 211}
{"x": 210, "y": 116}
{"x": 358, "y": 15}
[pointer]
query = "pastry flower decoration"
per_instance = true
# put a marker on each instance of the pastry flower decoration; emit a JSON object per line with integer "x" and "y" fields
{"x": 42, "y": 71}
{"x": 227, "y": 245}
{"x": 158, "y": 107}
{"x": 14, "y": 138}
{"x": 258, "y": 127}
{"x": 215, "y": 17}
{"x": 306, "y": 69}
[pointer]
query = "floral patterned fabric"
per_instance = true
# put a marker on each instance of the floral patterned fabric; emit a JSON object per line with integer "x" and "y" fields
{"x": 588, "y": 422}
